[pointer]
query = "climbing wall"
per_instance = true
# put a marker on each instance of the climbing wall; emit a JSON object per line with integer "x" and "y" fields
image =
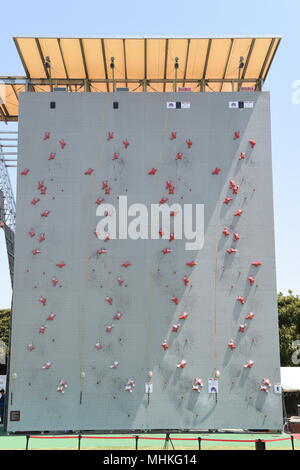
{"x": 143, "y": 334}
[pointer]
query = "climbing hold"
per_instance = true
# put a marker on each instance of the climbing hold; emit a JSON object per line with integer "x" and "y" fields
{"x": 43, "y": 190}
{"x": 256, "y": 264}
{"x": 171, "y": 189}
{"x": 110, "y": 135}
{"x": 129, "y": 386}
{"x": 165, "y": 345}
{"x": 43, "y": 301}
{"x": 161, "y": 233}
{"x": 227, "y": 200}
{"x": 104, "y": 184}
{"x": 42, "y": 237}
{"x": 175, "y": 300}
{"x": 116, "y": 156}
{"x": 264, "y": 388}
{"x": 51, "y": 316}
{"x": 173, "y": 135}
{"x": 61, "y": 264}
{"x": 240, "y": 299}
{"x": 166, "y": 251}
{"x": 54, "y": 281}
{"x": 252, "y": 143}
{"x": 249, "y": 316}
{"x": 183, "y": 316}
{"x": 114, "y": 365}
{"x": 46, "y": 136}
{"x": 231, "y": 250}
{"x": 231, "y": 344}
{"x": 232, "y": 184}
{"x": 191, "y": 264}
{"x": 30, "y": 347}
{"x": 126, "y": 143}
{"x": 45, "y": 213}
{"x": 242, "y": 156}
{"x": 102, "y": 251}
{"x": 109, "y": 328}
{"x": 173, "y": 213}
{"x": 47, "y": 365}
{"x": 226, "y": 232}
{"x": 189, "y": 143}
{"x": 107, "y": 190}
{"x": 89, "y": 171}
{"x": 235, "y": 189}
{"x": 186, "y": 280}
{"x": 31, "y": 233}
{"x": 179, "y": 156}
{"x": 249, "y": 364}
{"x": 163, "y": 200}
{"x": 182, "y": 364}
{"x": 172, "y": 237}
{"x": 126, "y": 264}
{"x": 236, "y": 135}
{"x": 62, "y": 143}
{"x": 42, "y": 329}
{"x": 106, "y": 238}
{"x": 152, "y": 172}
{"x": 35, "y": 201}
{"x": 242, "y": 328}
{"x": 99, "y": 201}
{"x": 109, "y": 300}
{"x": 98, "y": 345}
{"x": 118, "y": 316}
{"x": 36, "y": 252}
{"x": 216, "y": 171}
{"x": 251, "y": 280}
{"x": 52, "y": 156}
{"x": 238, "y": 213}
{"x": 236, "y": 236}
{"x": 175, "y": 328}
{"x": 25, "y": 172}
{"x": 120, "y": 281}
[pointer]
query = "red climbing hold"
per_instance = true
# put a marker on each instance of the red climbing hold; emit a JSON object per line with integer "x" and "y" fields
{"x": 191, "y": 264}
{"x": 98, "y": 345}
{"x": 152, "y": 172}
{"x": 165, "y": 345}
{"x": 231, "y": 250}
{"x": 252, "y": 143}
{"x": 232, "y": 184}
{"x": 104, "y": 184}
{"x": 227, "y": 200}
{"x": 89, "y": 171}
{"x": 126, "y": 264}
{"x": 36, "y": 252}
{"x": 107, "y": 190}
{"x": 109, "y": 300}
{"x": 183, "y": 316}
{"x": 186, "y": 280}
{"x": 240, "y": 299}
{"x": 161, "y": 233}
{"x": 54, "y": 281}
{"x": 25, "y": 172}
{"x": 182, "y": 364}
{"x": 173, "y": 135}
{"x": 249, "y": 316}
{"x": 35, "y": 201}
{"x": 116, "y": 156}
{"x": 120, "y": 281}
{"x": 42, "y": 329}
{"x": 242, "y": 328}
{"x": 30, "y": 347}
{"x": 43, "y": 190}
{"x": 45, "y": 214}
{"x": 251, "y": 280}
{"x": 236, "y": 236}
{"x": 126, "y": 143}
{"x": 238, "y": 213}
{"x": 172, "y": 237}
{"x": 102, "y": 251}
{"x": 166, "y": 251}
{"x": 231, "y": 344}
{"x": 226, "y": 232}
{"x": 256, "y": 263}
{"x": 163, "y": 200}
{"x": 118, "y": 316}
{"x": 62, "y": 143}
{"x": 189, "y": 143}
{"x": 110, "y": 135}
{"x": 179, "y": 156}
{"x": 175, "y": 328}
{"x": 51, "y": 316}
{"x": 31, "y": 233}
{"x": 47, "y": 365}
{"x": 61, "y": 264}
{"x": 249, "y": 364}
{"x": 216, "y": 171}
{"x": 173, "y": 213}
{"x": 43, "y": 301}
{"x": 106, "y": 238}
{"x": 242, "y": 156}
{"x": 236, "y": 135}
{"x": 52, "y": 156}
{"x": 46, "y": 136}
{"x": 99, "y": 200}
{"x": 109, "y": 328}
{"x": 175, "y": 300}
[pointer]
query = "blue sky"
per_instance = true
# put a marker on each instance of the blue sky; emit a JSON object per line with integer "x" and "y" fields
{"x": 192, "y": 18}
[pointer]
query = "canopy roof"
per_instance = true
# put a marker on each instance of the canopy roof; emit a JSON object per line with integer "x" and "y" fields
{"x": 290, "y": 378}
{"x": 141, "y": 64}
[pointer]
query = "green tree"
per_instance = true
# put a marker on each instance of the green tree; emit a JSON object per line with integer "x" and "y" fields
{"x": 4, "y": 326}
{"x": 289, "y": 326}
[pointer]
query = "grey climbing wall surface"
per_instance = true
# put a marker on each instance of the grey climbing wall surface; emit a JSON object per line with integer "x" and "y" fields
{"x": 87, "y": 328}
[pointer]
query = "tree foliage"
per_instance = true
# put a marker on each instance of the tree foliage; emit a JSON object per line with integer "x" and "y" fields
{"x": 4, "y": 327}
{"x": 289, "y": 326}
